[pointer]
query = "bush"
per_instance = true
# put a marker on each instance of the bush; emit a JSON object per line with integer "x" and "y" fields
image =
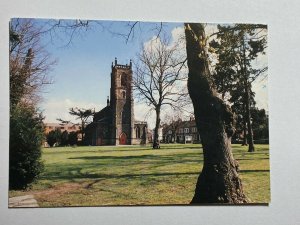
{"x": 53, "y": 137}
{"x": 64, "y": 140}
{"x": 72, "y": 138}
{"x": 26, "y": 136}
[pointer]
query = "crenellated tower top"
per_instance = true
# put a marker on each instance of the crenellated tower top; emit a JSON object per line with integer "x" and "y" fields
{"x": 120, "y": 66}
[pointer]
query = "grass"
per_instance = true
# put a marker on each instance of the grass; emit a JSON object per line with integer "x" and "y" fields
{"x": 137, "y": 175}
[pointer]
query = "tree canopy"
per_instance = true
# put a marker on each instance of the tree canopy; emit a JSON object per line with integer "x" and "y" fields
{"x": 237, "y": 47}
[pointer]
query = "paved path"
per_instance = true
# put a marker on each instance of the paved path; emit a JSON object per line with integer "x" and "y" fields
{"x": 22, "y": 201}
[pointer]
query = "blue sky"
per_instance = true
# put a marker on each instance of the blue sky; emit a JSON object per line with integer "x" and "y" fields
{"x": 82, "y": 73}
{"x": 83, "y": 68}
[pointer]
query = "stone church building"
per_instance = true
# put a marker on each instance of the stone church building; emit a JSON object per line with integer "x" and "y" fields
{"x": 115, "y": 124}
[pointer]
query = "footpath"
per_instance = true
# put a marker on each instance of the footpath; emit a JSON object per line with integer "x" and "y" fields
{"x": 25, "y": 201}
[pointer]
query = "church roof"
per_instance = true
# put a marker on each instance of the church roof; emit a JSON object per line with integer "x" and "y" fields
{"x": 104, "y": 115}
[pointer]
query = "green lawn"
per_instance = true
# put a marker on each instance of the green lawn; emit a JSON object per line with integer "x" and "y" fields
{"x": 135, "y": 175}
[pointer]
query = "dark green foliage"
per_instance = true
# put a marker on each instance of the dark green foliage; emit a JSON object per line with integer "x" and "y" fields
{"x": 53, "y": 137}
{"x": 260, "y": 124}
{"x": 26, "y": 136}
{"x": 237, "y": 47}
{"x": 72, "y": 138}
{"x": 64, "y": 141}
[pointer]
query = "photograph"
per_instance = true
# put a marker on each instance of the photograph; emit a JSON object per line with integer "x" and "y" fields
{"x": 137, "y": 113}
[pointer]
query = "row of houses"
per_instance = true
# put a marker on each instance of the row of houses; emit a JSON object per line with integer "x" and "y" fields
{"x": 70, "y": 127}
{"x": 181, "y": 132}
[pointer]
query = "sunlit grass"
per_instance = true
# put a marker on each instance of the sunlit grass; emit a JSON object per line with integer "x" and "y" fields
{"x": 137, "y": 175}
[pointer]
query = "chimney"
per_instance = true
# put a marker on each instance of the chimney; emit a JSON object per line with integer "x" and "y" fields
{"x": 116, "y": 61}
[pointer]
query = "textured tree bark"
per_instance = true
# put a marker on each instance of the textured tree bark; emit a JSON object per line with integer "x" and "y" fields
{"x": 219, "y": 181}
{"x": 248, "y": 118}
{"x": 247, "y": 103}
{"x": 157, "y": 124}
{"x": 245, "y": 143}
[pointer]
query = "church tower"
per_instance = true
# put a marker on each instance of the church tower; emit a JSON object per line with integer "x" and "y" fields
{"x": 121, "y": 101}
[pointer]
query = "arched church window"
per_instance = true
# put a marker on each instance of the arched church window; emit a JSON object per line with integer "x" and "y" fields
{"x": 124, "y": 94}
{"x": 123, "y": 79}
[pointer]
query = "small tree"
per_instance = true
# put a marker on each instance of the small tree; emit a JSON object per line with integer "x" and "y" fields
{"x": 64, "y": 141}
{"x": 72, "y": 137}
{"x": 83, "y": 115}
{"x": 26, "y": 136}
{"x": 53, "y": 137}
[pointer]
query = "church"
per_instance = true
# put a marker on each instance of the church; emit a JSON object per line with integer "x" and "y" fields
{"x": 115, "y": 124}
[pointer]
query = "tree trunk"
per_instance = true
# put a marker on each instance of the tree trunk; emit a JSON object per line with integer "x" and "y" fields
{"x": 219, "y": 181}
{"x": 173, "y": 136}
{"x": 245, "y": 143}
{"x": 247, "y": 102}
{"x": 157, "y": 124}
{"x": 248, "y": 118}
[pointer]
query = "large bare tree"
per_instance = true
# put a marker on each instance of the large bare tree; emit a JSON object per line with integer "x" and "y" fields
{"x": 158, "y": 75}
{"x": 29, "y": 62}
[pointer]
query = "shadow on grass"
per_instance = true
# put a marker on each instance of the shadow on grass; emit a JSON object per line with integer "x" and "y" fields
{"x": 148, "y": 162}
{"x": 155, "y": 160}
{"x": 116, "y": 176}
{"x": 144, "y": 157}
{"x": 73, "y": 173}
{"x": 253, "y": 171}
{"x": 239, "y": 159}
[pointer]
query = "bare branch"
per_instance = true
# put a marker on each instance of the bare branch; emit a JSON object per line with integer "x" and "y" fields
{"x": 29, "y": 62}
{"x": 159, "y": 76}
